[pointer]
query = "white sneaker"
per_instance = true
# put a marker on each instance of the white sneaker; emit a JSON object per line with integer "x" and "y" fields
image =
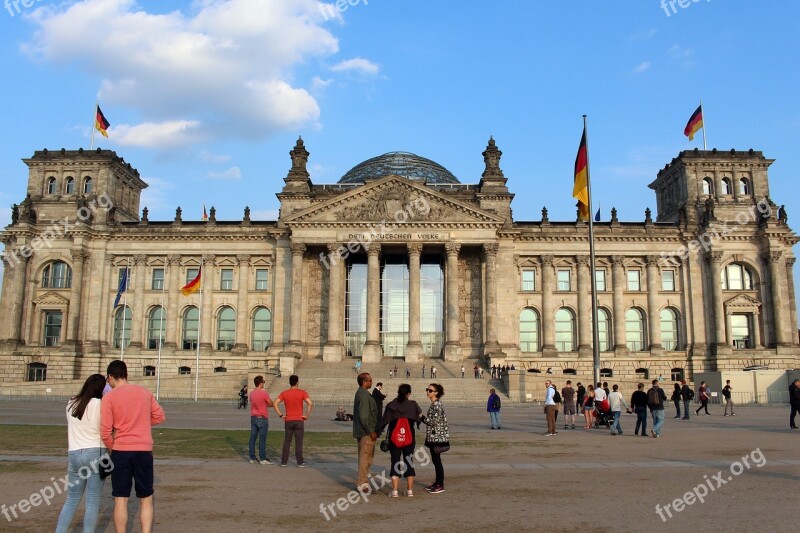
{"x": 393, "y": 494}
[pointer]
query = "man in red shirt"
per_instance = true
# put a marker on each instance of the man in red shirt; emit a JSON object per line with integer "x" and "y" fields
{"x": 127, "y": 414}
{"x": 260, "y": 403}
{"x": 294, "y": 418}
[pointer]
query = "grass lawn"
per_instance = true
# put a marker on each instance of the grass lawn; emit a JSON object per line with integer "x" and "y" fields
{"x": 172, "y": 443}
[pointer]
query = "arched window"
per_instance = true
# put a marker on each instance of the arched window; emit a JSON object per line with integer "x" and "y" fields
{"x": 708, "y": 186}
{"x": 37, "y": 372}
{"x": 190, "y": 324}
{"x": 122, "y": 327}
{"x": 528, "y": 330}
{"x": 642, "y": 373}
{"x": 69, "y": 185}
{"x": 262, "y": 329}
{"x": 736, "y": 277}
{"x": 220, "y": 369}
{"x": 727, "y": 189}
{"x": 744, "y": 187}
{"x": 669, "y": 329}
{"x": 52, "y": 185}
{"x": 156, "y": 327}
{"x": 565, "y": 330}
{"x": 57, "y": 275}
{"x": 87, "y": 185}
{"x": 604, "y": 330}
{"x": 184, "y": 371}
{"x": 570, "y": 372}
{"x": 606, "y": 372}
{"x": 634, "y": 330}
{"x": 226, "y": 329}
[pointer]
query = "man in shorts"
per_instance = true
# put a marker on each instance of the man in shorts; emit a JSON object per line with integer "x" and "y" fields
{"x": 127, "y": 415}
{"x": 568, "y": 398}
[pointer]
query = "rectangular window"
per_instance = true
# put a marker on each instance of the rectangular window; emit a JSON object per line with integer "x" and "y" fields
{"x": 528, "y": 280}
{"x": 261, "y": 279}
{"x": 191, "y": 273}
{"x": 600, "y": 280}
{"x": 740, "y": 331}
{"x": 226, "y": 279}
{"x": 668, "y": 280}
{"x": 158, "y": 279}
{"x": 564, "y": 280}
{"x": 52, "y": 328}
{"x": 633, "y": 280}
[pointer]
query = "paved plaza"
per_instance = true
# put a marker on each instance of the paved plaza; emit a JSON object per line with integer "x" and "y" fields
{"x": 745, "y": 469}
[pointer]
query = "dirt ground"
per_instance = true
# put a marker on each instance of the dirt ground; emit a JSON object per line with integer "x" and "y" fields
{"x": 513, "y": 479}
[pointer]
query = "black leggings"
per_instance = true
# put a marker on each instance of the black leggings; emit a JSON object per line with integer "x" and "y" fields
{"x": 436, "y": 459}
{"x": 402, "y": 461}
{"x": 703, "y": 405}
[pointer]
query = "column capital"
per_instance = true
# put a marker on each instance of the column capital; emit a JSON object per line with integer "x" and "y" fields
{"x": 583, "y": 260}
{"x": 452, "y": 248}
{"x": 414, "y": 248}
{"x": 80, "y": 255}
{"x": 173, "y": 260}
{"x": 138, "y": 259}
{"x": 714, "y": 256}
{"x": 333, "y": 248}
{"x": 373, "y": 249}
{"x": 547, "y": 260}
{"x": 208, "y": 259}
{"x": 490, "y": 249}
{"x": 298, "y": 248}
{"x": 790, "y": 262}
{"x": 653, "y": 260}
{"x": 243, "y": 259}
{"x": 618, "y": 260}
{"x": 773, "y": 256}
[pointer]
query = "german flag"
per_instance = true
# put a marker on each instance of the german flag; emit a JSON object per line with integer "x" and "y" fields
{"x": 100, "y": 122}
{"x": 580, "y": 189}
{"x": 194, "y": 285}
{"x": 694, "y": 124}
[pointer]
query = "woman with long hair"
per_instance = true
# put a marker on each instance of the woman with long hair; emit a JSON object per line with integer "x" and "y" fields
{"x": 588, "y": 407}
{"x": 402, "y": 456}
{"x": 676, "y": 399}
{"x": 85, "y": 451}
{"x": 437, "y": 434}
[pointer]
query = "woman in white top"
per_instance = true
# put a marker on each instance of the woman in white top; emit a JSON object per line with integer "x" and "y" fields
{"x": 85, "y": 451}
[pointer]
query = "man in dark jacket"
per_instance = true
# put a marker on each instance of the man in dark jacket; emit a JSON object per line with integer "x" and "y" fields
{"x": 379, "y": 396}
{"x": 686, "y": 395}
{"x": 493, "y": 408}
{"x": 794, "y": 401}
{"x": 365, "y": 422}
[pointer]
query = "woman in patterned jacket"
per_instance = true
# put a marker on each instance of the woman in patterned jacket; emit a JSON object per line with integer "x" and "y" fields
{"x": 437, "y": 435}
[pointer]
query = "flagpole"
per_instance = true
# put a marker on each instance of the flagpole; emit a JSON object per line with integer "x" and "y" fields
{"x": 703, "y": 114}
{"x": 199, "y": 330}
{"x": 595, "y": 329}
{"x": 96, "y": 105}
{"x": 125, "y": 310}
{"x": 161, "y": 331}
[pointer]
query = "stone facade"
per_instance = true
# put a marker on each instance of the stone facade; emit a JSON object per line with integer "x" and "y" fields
{"x": 705, "y": 286}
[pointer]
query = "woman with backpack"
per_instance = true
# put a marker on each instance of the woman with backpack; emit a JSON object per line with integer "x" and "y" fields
{"x": 676, "y": 399}
{"x": 437, "y": 435}
{"x": 400, "y": 416}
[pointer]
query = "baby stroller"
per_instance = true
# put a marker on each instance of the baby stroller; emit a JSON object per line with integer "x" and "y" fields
{"x": 603, "y": 415}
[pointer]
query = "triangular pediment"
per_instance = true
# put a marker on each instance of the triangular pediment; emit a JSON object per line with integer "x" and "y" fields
{"x": 742, "y": 301}
{"x": 393, "y": 199}
{"x": 51, "y": 299}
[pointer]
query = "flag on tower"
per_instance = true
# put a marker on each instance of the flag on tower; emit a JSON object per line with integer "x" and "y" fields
{"x": 100, "y": 122}
{"x": 580, "y": 189}
{"x": 694, "y": 124}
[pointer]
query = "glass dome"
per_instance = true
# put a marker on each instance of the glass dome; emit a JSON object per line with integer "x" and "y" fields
{"x": 404, "y": 164}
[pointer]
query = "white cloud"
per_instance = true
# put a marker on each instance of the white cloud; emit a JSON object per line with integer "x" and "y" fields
{"x": 644, "y": 35}
{"x": 682, "y": 55}
{"x": 157, "y": 135}
{"x": 642, "y": 67}
{"x": 357, "y": 64}
{"x": 317, "y": 83}
{"x": 233, "y": 173}
{"x": 209, "y": 157}
{"x": 221, "y": 68}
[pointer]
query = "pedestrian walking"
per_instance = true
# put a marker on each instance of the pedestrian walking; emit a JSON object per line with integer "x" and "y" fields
{"x": 655, "y": 401}
{"x": 294, "y": 419}
{"x": 639, "y": 406}
{"x": 462, "y": 372}
{"x": 437, "y": 435}
{"x": 726, "y": 393}
{"x": 704, "y": 394}
{"x": 794, "y": 402}
{"x": 616, "y": 402}
{"x": 493, "y": 406}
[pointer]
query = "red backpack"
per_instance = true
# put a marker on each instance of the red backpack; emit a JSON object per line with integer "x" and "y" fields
{"x": 401, "y": 434}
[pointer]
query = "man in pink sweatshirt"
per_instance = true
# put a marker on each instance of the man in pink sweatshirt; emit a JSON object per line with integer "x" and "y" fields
{"x": 127, "y": 414}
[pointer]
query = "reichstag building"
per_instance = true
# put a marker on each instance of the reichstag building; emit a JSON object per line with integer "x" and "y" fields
{"x": 398, "y": 260}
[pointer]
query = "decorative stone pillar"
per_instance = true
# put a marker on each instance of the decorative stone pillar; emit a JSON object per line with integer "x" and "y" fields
{"x": 242, "y": 311}
{"x": 792, "y": 302}
{"x": 207, "y": 318}
{"x": 372, "y": 347}
{"x": 548, "y": 314}
{"x": 73, "y": 342}
{"x": 452, "y": 348}
{"x": 653, "y": 314}
{"x": 618, "y": 281}
{"x": 414, "y": 350}
{"x": 138, "y": 311}
{"x": 172, "y": 278}
{"x": 776, "y": 276}
{"x": 296, "y": 304}
{"x": 714, "y": 259}
{"x": 584, "y": 306}
{"x": 333, "y": 351}
{"x": 492, "y": 346}
{"x": 105, "y": 312}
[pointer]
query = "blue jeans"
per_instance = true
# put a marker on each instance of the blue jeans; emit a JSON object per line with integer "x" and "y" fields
{"x": 641, "y": 420}
{"x": 494, "y": 418}
{"x": 616, "y": 424}
{"x": 658, "y": 419}
{"x": 258, "y": 428}
{"x": 686, "y": 409}
{"x": 82, "y": 474}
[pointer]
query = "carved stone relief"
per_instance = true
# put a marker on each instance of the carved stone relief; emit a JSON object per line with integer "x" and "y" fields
{"x": 469, "y": 298}
{"x": 317, "y": 302}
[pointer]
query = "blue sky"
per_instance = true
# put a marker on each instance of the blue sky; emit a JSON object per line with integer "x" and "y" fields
{"x": 206, "y": 98}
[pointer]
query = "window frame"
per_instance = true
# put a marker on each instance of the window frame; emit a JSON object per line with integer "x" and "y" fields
{"x": 528, "y": 285}
{"x": 226, "y": 279}
{"x": 157, "y": 284}
{"x": 262, "y": 284}
{"x": 561, "y": 282}
{"x": 630, "y": 282}
{"x": 664, "y": 285}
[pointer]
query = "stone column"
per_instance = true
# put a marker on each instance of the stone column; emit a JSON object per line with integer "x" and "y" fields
{"x": 714, "y": 259}
{"x": 5, "y": 298}
{"x": 73, "y": 342}
{"x": 207, "y": 314}
{"x": 619, "y": 282}
{"x": 106, "y": 299}
{"x": 452, "y": 349}
{"x": 138, "y": 311}
{"x": 492, "y": 347}
{"x": 414, "y": 350}
{"x": 792, "y": 302}
{"x": 584, "y": 306}
{"x": 173, "y": 280}
{"x": 548, "y": 316}
{"x": 653, "y": 314}
{"x": 296, "y": 303}
{"x": 333, "y": 351}
{"x": 17, "y": 285}
{"x": 242, "y": 312}
{"x": 372, "y": 348}
{"x": 776, "y": 276}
